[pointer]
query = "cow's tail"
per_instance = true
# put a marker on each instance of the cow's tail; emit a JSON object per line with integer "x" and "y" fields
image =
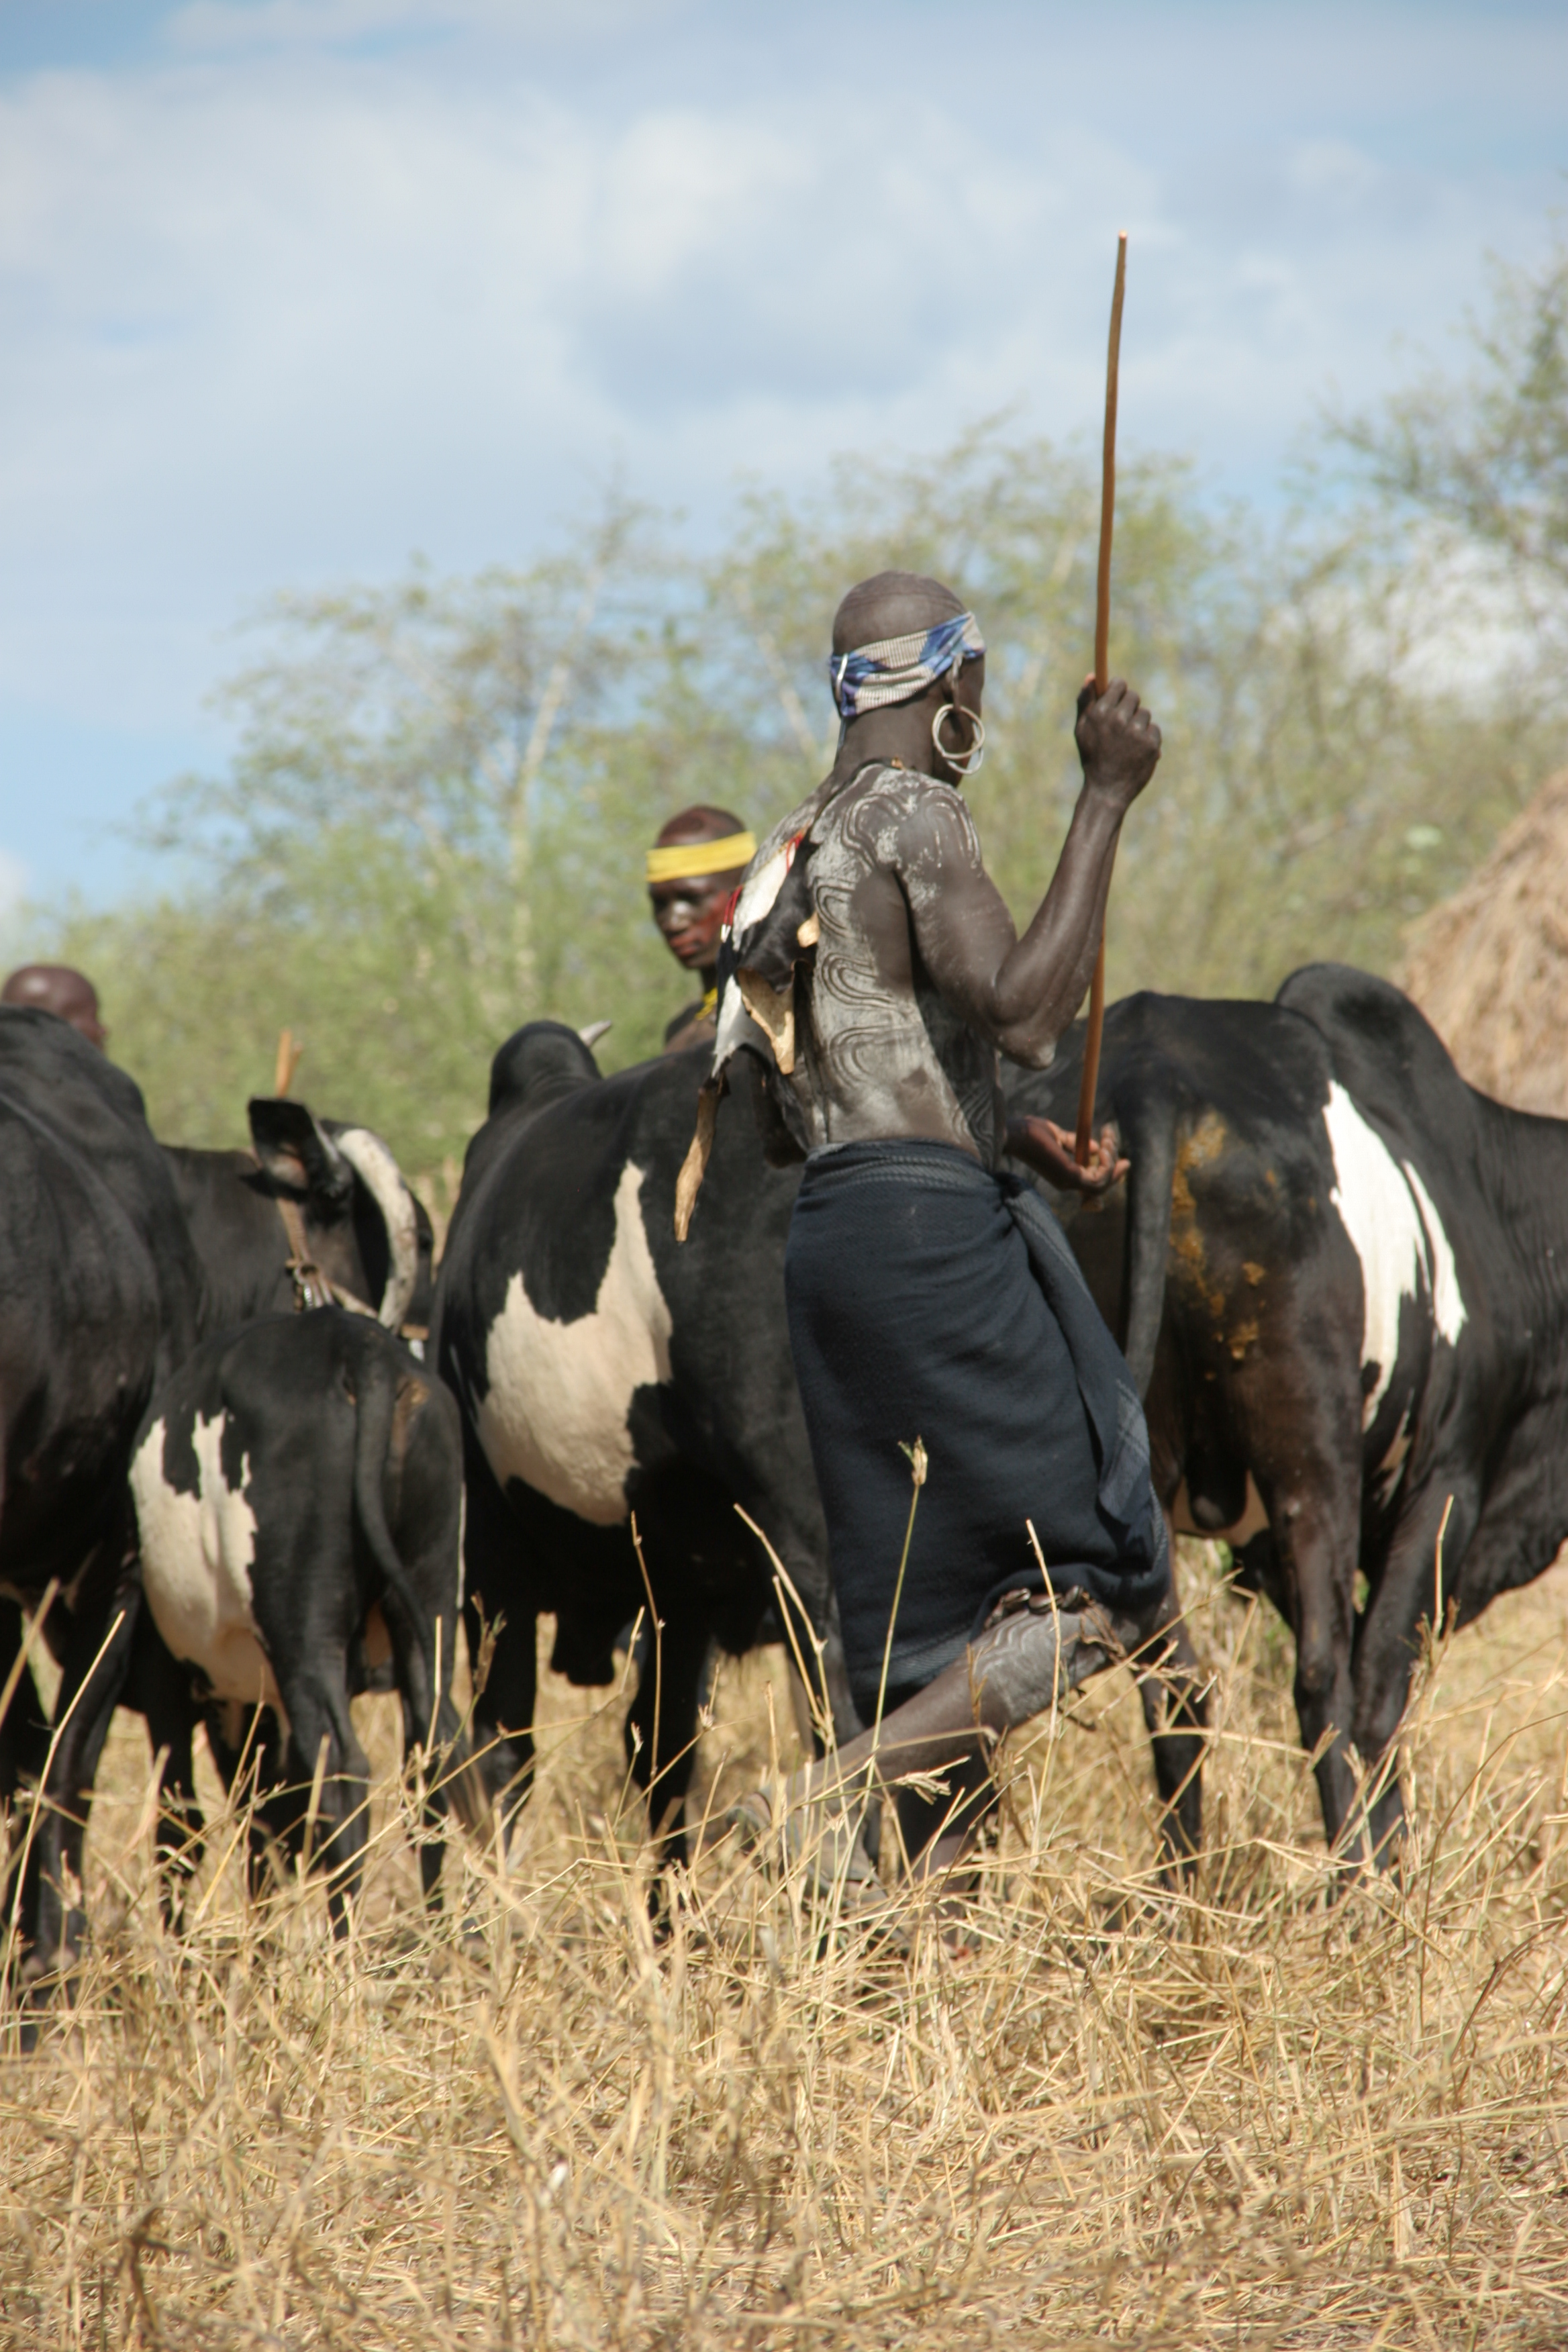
{"x": 379, "y": 1382}
{"x": 1149, "y": 1138}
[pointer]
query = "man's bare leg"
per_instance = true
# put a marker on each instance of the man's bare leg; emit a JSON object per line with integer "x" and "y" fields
{"x": 1033, "y": 1651}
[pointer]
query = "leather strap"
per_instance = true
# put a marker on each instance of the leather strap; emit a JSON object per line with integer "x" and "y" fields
{"x": 312, "y": 1287}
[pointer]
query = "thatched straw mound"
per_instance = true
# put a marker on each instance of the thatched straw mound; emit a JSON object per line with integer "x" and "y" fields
{"x": 1489, "y": 967}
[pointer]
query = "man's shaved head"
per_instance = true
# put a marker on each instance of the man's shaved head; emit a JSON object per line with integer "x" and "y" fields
{"x": 57, "y": 988}
{"x": 698, "y": 824}
{"x": 890, "y": 605}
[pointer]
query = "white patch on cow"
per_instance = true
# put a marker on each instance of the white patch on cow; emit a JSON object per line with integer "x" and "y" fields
{"x": 196, "y": 1555}
{"x": 1447, "y": 1299}
{"x": 1253, "y": 1519}
{"x": 561, "y": 1393}
{"x": 1396, "y": 1233}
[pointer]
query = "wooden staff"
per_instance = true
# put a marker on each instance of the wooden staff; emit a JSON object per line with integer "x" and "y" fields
{"x": 1101, "y": 680}
{"x": 289, "y": 1052}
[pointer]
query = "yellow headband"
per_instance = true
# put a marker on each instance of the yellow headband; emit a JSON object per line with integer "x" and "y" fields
{"x": 686, "y": 860}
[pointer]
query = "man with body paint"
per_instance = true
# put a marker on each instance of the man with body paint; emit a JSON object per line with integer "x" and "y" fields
{"x": 693, "y": 871}
{"x": 873, "y": 969}
{"x": 57, "y": 988}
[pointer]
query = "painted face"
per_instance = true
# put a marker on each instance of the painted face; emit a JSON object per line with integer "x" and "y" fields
{"x": 689, "y": 913}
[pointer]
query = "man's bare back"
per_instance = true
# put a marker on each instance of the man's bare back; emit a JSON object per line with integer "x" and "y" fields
{"x": 882, "y": 1051}
{"x": 919, "y": 975}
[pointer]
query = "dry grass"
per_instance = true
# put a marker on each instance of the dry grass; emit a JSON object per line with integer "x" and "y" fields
{"x": 1490, "y": 966}
{"x": 1239, "y": 2118}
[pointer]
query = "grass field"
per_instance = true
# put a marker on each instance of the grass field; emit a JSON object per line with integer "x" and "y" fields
{"x": 1238, "y": 2117}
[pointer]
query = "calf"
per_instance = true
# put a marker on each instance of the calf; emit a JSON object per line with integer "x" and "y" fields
{"x": 317, "y": 1209}
{"x": 1343, "y": 1274}
{"x": 294, "y": 1480}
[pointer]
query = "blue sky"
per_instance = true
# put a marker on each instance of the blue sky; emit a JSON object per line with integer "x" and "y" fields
{"x": 289, "y": 289}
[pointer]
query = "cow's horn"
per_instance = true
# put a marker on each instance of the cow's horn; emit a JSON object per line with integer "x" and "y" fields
{"x": 593, "y": 1031}
{"x": 373, "y": 1164}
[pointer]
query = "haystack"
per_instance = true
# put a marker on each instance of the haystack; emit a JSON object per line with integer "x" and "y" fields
{"x": 1489, "y": 967}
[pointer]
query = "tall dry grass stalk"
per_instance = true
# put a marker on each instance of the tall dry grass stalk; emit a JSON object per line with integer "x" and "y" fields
{"x": 1102, "y": 2114}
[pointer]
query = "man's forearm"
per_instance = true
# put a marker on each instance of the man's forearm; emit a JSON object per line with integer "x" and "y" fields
{"x": 1043, "y": 981}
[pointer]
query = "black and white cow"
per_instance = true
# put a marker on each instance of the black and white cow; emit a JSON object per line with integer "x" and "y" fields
{"x": 606, "y": 1370}
{"x": 298, "y": 1488}
{"x": 101, "y": 1295}
{"x": 1344, "y": 1275}
{"x": 363, "y": 1233}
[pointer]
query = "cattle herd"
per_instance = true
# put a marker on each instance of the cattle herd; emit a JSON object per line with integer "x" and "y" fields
{"x": 260, "y": 1457}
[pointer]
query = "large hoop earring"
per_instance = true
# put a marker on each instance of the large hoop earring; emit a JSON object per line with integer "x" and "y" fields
{"x": 968, "y": 763}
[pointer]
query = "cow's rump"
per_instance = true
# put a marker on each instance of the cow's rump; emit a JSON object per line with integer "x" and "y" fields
{"x": 928, "y": 1298}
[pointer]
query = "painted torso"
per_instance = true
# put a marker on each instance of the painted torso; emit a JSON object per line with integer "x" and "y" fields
{"x": 881, "y": 1054}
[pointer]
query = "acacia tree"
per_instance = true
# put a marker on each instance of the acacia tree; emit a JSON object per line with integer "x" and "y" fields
{"x": 1484, "y": 458}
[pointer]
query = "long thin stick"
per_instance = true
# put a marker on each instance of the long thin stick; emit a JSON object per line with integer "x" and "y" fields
{"x": 1101, "y": 680}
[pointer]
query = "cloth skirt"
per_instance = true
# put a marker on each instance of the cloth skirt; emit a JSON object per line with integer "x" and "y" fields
{"x": 929, "y": 1298}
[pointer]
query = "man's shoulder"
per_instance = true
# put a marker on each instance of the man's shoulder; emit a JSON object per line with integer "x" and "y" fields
{"x": 887, "y": 811}
{"x": 887, "y": 786}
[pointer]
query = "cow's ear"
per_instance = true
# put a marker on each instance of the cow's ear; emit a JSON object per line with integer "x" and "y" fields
{"x": 296, "y": 1150}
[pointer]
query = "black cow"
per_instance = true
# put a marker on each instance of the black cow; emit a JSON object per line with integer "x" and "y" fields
{"x": 319, "y": 1209}
{"x": 1343, "y": 1275}
{"x": 298, "y": 1485}
{"x": 606, "y": 1369}
{"x": 100, "y": 1296}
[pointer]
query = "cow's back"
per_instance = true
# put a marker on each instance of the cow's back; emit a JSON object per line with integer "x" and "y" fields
{"x": 563, "y": 1278}
{"x": 99, "y": 1289}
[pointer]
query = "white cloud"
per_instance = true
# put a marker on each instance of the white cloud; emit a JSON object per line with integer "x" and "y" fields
{"x": 324, "y": 282}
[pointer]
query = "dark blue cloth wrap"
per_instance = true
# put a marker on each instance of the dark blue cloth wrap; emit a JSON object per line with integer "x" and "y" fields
{"x": 930, "y": 1299}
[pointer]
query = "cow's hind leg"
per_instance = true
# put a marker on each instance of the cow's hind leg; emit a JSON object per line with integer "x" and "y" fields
{"x": 25, "y": 1733}
{"x": 1387, "y": 1639}
{"x": 1317, "y": 1525}
{"x": 1171, "y": 1684}
{"x": 323, "y": 1747}
{"x": 661, "y": 1728}
{"x": 97, "y": 1663}
{"x": 161, "y": 1689}
{"x": 498, "y": 1619}
{"x": 247, "y": 1753}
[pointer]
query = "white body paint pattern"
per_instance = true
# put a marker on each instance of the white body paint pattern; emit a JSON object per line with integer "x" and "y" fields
{"x": 561, "y": 1393}
{"x": 198, "y": 1551}
{"x": 1399, "y": 1236}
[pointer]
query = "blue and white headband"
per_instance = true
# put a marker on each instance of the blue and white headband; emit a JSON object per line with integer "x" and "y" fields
{"x": 897, "y": 669}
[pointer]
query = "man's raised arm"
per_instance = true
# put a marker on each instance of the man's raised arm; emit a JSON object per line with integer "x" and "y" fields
{"x": 1023, "y": 993}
